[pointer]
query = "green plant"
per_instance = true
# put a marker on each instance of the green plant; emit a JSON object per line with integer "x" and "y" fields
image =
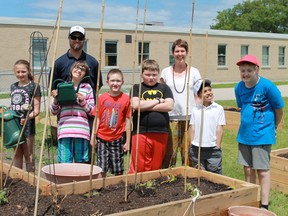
{"x": 170, "y": 177}
{"x": 3, "y": 197}
{"x": 193, "y": 190}
{"x": 147, "y": 188}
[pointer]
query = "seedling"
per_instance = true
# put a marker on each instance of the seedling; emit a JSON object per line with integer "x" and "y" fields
{"x": 3, "y": 197}
{"x": 193, "y": 190}
{"x": 147, "y": 188}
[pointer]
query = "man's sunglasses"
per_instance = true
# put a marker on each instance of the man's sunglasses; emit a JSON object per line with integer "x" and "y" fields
{"x": 80, "y": 38}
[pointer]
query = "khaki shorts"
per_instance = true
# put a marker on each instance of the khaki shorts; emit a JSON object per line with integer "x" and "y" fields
{"x": 256, "y": 157}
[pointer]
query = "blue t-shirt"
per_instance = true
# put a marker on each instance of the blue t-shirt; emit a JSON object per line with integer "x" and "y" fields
{"x": 257, "y": 105}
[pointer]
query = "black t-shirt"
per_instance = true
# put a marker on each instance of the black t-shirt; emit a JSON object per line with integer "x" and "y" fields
{"x": 21, "y": 95}
{"x": 151, "y": 121}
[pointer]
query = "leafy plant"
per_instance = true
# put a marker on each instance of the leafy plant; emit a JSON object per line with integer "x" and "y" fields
{"x": 193, "y": 190}
{"x": 147, "y": 188}
{"x": 3, "y": 197}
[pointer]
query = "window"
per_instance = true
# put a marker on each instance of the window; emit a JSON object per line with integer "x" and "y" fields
{"x": 111, "y": 53}
{"x": 265, "y": 56}
{"x": 145, "y": 51}
{"x": 39, "y": 49}
{"x": 171, "y": 57}
{"x": 221, "y": 55}
{"x": 281, "y": 56}
{"x": 244, "y": 50}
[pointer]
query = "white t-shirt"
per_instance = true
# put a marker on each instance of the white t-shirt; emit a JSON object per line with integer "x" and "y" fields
{"x": 176, "y": 84}
{"x": 213, "y": 116}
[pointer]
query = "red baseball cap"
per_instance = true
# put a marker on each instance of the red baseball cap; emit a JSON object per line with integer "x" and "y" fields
{"x": 250, "y": 59}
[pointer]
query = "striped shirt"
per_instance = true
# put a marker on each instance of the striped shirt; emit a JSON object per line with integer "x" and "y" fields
{"x": 73, "y": 121}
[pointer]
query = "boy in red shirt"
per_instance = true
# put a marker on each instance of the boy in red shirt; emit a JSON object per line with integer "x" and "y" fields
{"x": 112, "y": 122}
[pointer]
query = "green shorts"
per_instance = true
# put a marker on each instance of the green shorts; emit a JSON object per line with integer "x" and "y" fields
{"x": 256, "y": 157}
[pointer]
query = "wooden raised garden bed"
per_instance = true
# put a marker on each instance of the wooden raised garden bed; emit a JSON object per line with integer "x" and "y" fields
{"x": 279, "y": 170}
{"x": 243, "y": 193}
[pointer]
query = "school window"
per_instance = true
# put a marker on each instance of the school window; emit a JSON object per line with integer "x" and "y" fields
{"x": 39, "y": 49}
{"x": 171, "y": 57}
{"x": 265, "y": 56}
{"x": 110, "y": 53}
{"x": 221, "y": 55}
{"x": 281, "y": 56}
{"x": 145, "y": 51}
{"x": 244, "y": 50}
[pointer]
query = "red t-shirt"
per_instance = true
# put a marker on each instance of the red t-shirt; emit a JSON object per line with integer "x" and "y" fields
{"x": 112, "y": 112}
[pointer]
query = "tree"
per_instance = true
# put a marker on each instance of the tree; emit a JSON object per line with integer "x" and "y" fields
{"x": 257, "y": 16}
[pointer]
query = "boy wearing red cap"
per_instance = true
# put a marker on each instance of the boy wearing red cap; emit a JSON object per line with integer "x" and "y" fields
{"x": 261, "y": 107}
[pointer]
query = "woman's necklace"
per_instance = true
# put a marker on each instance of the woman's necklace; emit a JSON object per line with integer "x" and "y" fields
{"x": 179, "y": 92}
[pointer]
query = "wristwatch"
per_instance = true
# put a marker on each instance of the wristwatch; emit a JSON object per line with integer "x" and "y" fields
{"x": 158, "y": 100}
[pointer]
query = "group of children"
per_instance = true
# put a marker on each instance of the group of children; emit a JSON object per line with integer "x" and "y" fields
{"x": 259, "y": 99}
{"x": 150, "y": 102}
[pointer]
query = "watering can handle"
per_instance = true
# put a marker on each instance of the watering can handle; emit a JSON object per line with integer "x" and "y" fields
{"x": 56, "y": 82}
{"x": 84, "y": 78}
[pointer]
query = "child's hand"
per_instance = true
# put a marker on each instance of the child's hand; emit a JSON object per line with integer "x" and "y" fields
{"x": 80, "y": 98}
{"x": 54, "y": 93}
{"x": 93, "y": 142}
{"x": 22, "y": 121}
{"x": 125, "y": 147}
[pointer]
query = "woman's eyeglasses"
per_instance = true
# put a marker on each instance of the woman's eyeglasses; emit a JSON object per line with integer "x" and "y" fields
{"x": 80, "y": 38}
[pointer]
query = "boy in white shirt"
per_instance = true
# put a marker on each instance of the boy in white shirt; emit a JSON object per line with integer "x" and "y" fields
{"x": 212, "y": 121}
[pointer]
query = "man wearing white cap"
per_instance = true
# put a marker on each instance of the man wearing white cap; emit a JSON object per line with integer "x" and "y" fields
{"x": 62, "y": 66}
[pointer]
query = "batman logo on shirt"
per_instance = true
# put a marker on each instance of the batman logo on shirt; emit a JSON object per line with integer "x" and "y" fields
{"x": 152, "y": 94}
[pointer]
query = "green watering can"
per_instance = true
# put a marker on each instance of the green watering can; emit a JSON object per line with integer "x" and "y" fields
{"x": 12, "y": 128}
{"x": 66, "y": 91}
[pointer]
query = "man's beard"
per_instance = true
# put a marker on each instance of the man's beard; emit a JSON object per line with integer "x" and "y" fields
{"x": 77, "y": 47}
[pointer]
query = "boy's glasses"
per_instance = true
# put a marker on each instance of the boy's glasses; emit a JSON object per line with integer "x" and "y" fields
{"x": 80, "y": 38}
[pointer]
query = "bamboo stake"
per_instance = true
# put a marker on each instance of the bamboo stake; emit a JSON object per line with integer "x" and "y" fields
{"x": 139, "y": 95}
{"x": 202, "y": 111}
{"x": 2, "y": 146}
{"x": 187, "y": 96}
{"x": 47, "y": 111}
{"x": 132, "y": 91}
{"x": 97, "y": 94}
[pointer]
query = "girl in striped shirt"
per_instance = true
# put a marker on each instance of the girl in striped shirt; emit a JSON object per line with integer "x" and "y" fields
{"x": 73, "y": 125}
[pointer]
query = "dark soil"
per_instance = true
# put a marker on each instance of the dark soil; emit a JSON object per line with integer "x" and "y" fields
{"x": 285, "y": 155}
{"x": 106, "y": 201}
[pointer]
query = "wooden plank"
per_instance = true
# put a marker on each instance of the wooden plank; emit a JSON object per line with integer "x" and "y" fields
{"x": 279, "y": 151}
{"x": 30, "y": 178}
{"x": 279, "y": 170}
{"x": 279, "y": 176}
{"x": 281, "y": 187}
{"x": 279, "y": 163}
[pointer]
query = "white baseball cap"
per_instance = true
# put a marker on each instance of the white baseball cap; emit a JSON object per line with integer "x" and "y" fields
{"x": 77, "y": 28}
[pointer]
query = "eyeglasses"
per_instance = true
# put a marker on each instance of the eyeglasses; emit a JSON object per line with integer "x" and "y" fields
{"x": 80, "y": 38}
{"x": 78, "y": 67}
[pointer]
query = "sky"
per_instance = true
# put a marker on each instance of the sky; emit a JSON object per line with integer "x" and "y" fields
{"x": 176, "y": 13}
